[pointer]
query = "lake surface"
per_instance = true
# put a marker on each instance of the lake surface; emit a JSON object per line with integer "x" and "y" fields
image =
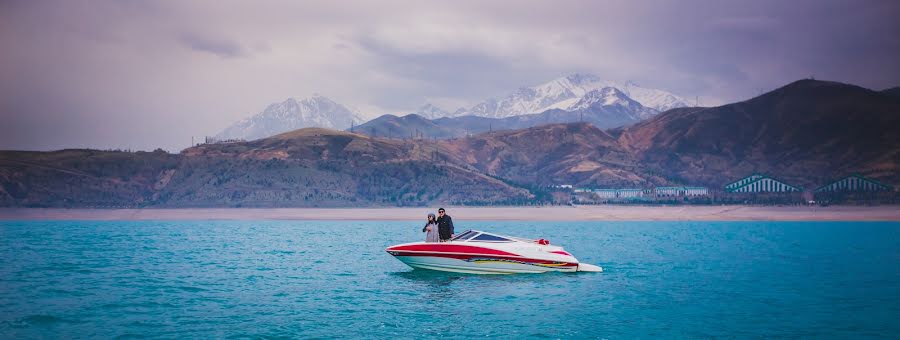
{"x": 333, "y": 279}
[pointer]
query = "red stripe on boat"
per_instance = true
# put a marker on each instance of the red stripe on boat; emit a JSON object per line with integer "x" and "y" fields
{"x": 561, "y": 252}
{"x": 451, "y": 248}
{"x": 479, "y": 256}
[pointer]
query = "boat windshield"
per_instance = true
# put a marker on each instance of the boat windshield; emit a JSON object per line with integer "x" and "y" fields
{"x": 484, "y": 237}
{"x": 466, "y": 235}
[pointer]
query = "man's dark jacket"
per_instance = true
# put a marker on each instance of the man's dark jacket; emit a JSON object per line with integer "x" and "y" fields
{"x": 445, "y": 227}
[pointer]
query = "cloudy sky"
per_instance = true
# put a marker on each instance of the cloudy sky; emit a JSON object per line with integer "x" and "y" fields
{"x": 147, "y": 74}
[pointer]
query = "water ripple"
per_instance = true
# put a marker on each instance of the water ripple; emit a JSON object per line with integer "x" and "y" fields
{"x": 271, "y": 279}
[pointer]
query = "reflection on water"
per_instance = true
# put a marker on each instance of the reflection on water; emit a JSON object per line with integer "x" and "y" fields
{"x": 434, "y": 284}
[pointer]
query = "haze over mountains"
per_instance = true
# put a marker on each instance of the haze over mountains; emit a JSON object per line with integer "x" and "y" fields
{"x": 806, "y": 133}
{"x": 567, "y": 99}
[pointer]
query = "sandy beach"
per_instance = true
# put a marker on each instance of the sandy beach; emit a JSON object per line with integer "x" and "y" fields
{"x": 554, "y": 213}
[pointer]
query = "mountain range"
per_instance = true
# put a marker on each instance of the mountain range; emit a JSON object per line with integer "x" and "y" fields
{"x": 564, "y": 94}
{"x": 567, "y": 99}
{"x": 805, "y": 133}
{"x": 604, "y": 108}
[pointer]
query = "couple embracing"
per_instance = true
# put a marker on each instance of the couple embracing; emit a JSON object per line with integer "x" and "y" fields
{"x": 438, "y": 229}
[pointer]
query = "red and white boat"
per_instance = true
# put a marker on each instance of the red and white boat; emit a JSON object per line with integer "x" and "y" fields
{"x": 479, "y": 252}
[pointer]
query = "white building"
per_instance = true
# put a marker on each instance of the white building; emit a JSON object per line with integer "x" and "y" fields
{"x": 605, "y": 193}
{"x": 681, "y": 191}
{"x": 618, "y": 193}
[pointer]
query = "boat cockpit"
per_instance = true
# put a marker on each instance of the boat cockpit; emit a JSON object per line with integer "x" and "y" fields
{"x": 480, "y": 236}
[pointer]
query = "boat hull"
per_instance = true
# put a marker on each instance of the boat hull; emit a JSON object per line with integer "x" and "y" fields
{"x": 483, "y": 265}
{"x": 462, "y": 258}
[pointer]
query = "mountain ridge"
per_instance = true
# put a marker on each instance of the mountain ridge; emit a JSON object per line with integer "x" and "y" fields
{"x": 835, "y": 127}
{"x": 569, "y": 93}
{"x": 806, "y": 133}
{"x": 563, "y": 92}
{"x": 605, "y": 108}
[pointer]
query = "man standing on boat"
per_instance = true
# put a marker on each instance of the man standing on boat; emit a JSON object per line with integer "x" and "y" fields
{"x": 445, "y": 225}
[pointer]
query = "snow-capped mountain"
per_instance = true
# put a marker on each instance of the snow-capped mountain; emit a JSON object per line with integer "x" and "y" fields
{"x": 604, "y": 108}
{"x": 563, "y": 93}
{"x": 586, "y": 94}
{"x": 611, "y": 99}
{"x": 292, "y": 114}
{"x": 431, "y": 112}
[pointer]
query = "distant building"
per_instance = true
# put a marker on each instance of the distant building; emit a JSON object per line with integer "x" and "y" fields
{"x": 630, "y": 193}
{"x": 681, "y": 191}
{"x": 759, "y": 184}
{"x": 562, "y": 186}
{"x": 853, "y": 183}
{"x": 605, "y": 193}
{"x": 741, "y": 182}
{"x": 212, "y": 140}
{"x": 696, "y": 191}
{"x": 583, "y": 190}
{"x": 618, "y": 193}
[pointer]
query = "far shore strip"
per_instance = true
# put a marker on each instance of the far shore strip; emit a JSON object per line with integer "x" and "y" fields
{"x": 546, "y": 213}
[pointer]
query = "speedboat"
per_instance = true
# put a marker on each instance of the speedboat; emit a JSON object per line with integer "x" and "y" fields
{"x": 479, "y": 252}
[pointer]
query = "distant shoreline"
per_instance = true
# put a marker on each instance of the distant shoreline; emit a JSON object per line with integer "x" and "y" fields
{"x": 551, "y": 213}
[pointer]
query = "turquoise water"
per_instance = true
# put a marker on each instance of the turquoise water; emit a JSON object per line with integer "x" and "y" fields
{"x": 333, "y": 279}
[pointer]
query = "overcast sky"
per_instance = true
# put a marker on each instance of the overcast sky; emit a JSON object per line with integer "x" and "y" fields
{"x": 147, "y": 74}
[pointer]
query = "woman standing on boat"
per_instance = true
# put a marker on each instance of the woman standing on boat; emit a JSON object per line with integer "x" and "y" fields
{"x": 431, "y": 230}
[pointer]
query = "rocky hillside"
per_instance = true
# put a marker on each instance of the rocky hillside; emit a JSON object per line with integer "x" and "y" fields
{"x": 413, "y": 126}
{"x": 319, "y": 167}
{"x": 807, "y": 132}
{"x": 83, "y": 178}
{"x": 308, "y": 167}
{"x": 577, "y": 153}
{"x": 893, "y": 92}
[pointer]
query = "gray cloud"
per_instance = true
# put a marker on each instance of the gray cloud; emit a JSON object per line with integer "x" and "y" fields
{"x": 463, "y": 73}
{"x": 145, "y": 74}
{"x": 219, "y": 47}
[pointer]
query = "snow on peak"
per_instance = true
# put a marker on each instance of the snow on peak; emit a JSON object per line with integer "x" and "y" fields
{"x": 292, "y": 114}
{"x": 604, "y": 97}
{"x": 564, "y": 92}
{"x": 431, "y": 112}
{"x": 611, "y": 98}
{"x": 574, "y": 92}
{"x": 656, "y": 99}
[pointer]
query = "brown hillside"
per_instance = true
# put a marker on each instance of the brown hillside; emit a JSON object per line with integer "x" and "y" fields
{"x": 807, "y": 132}
{"x": 320, "y": 167}
{"x": 577, "y": 153}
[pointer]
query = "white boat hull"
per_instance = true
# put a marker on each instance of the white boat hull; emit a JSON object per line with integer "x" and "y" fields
{"x": 488, "y": 258}
{"x": 478, "y": 266}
